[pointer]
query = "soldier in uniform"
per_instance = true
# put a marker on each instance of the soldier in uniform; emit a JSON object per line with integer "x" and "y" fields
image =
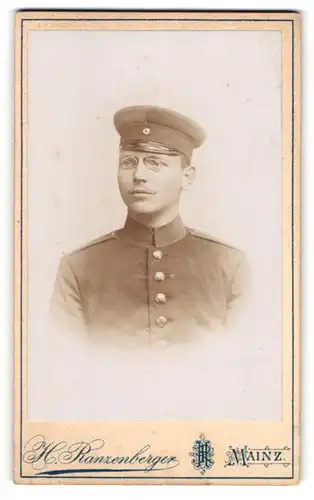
{"x": 153, "y": 280}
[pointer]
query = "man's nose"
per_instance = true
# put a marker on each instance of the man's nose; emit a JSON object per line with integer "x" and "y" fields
{"x": 140, "y": 172}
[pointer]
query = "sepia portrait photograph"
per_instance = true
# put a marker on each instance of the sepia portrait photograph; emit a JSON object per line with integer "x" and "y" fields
{"x": 155, "y": 197}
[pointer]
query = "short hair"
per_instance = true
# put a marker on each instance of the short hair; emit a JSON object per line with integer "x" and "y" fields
{"x": 185, "y": 161}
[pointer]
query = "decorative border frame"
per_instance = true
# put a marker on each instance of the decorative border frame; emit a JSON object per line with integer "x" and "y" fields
{"x": 295, "y": 226}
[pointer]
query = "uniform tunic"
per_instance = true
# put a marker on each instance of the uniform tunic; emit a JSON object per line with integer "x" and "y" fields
{"x": 139, "y": 285}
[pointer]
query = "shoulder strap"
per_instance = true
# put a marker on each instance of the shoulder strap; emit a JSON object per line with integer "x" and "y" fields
{"x": 199, "y": 234}
{"x": 97, "y": 241}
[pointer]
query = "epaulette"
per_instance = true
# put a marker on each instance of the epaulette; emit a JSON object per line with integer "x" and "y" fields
{"x": 204, "y": 236}
{"x": 97, "y": 241}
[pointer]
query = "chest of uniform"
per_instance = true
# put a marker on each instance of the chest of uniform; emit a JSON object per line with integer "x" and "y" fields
{"x": 164, "y": 282}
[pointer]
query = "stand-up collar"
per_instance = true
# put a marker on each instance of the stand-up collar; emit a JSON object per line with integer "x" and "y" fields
{"x": 141, "y": 235}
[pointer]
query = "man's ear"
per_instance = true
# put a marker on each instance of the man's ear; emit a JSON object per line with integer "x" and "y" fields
{"x": 188, "y": 177}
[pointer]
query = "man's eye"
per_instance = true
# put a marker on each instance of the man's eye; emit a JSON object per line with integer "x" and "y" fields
{"x": 128, "y": 162}
{"x": 152, "y": 162}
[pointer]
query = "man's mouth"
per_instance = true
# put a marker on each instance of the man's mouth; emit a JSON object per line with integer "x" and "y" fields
{"x": 141, "y": 191}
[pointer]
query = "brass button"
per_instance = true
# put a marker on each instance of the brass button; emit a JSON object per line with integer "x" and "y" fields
{"x": 157, "y": 254}
{"x": 160, "y": 298}
{"x": 159, "y": 276}
{"x": 161, "y": 321}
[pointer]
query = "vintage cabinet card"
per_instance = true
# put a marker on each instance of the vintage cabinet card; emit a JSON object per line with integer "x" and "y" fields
{"x": 157, "y": 247}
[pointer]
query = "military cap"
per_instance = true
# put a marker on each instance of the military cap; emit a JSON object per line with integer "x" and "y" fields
{"x": 159, "y": 125}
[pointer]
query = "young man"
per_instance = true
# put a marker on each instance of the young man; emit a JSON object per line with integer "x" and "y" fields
{"x": 154, "y": 280}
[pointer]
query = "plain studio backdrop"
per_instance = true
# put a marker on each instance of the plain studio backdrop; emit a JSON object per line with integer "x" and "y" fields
{"x": 229, "y": 82}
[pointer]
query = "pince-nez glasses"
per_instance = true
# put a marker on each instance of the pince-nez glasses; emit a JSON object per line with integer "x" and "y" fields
{"x": 151, "y": 162}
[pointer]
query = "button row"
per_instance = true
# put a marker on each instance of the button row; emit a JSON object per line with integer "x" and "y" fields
{"x": 160, "y": 298}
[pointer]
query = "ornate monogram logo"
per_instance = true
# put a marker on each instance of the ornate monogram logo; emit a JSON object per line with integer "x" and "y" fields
{"x": 202, "y": 454}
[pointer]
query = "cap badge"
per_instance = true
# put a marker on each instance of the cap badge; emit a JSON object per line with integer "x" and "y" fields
{"x": 146, "y": 131}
